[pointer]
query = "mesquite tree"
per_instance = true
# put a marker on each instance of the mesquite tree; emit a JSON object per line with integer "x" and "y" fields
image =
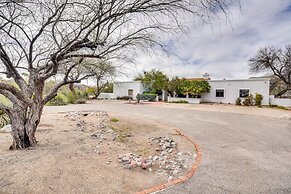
{"x": 276, "y": 61}
{"x": 41, "y": 37}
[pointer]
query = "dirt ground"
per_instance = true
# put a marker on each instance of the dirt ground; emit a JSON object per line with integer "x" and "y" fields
{"x": 69, "y": 160}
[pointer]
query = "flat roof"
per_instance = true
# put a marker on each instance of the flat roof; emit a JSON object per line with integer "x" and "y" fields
{"x": 250, "y": 79}
{"x": 128, "y": 82}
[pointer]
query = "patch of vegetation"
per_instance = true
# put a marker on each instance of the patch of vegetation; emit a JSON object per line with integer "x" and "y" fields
{"x": 281, "y": 107}
{"x": 180, "y": 102}
{"x": 144, "y": 151}
{"x": 123, "y": 98}
{"x": 4, "y": 119}
{"x": 80, "y": 101}
{"x": 146, "y": 96}
{"x": 122, "y": 133}
{"x": 249, "y": 100}
{"x": 114, "y": 120}
{"x": 59, "y": 100}
{"x": 238, "y": 102}
{"x": 258, "y": 99}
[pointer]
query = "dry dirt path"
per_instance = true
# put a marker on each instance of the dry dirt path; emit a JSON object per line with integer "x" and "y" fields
{"x": 245, "y": 150}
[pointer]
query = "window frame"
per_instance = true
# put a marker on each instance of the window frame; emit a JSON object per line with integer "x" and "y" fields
{"x": 223, "y": 92}
{"x": 128, "y": 92}
{"x": 243, "y": 89}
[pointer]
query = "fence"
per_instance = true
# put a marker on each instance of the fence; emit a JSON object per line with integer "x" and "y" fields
{"x": 107, "y": 96}
{"x": 189, "y": 100}
{"x": 286, "y": 102}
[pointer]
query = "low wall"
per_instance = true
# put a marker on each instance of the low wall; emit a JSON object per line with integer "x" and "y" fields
{"x": 286, "y": 102}
{"x": 189, "y": 100}
{"x": 107, "y": 96}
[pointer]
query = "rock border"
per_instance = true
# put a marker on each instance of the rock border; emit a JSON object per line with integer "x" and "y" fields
{"x": 181, "y": 179}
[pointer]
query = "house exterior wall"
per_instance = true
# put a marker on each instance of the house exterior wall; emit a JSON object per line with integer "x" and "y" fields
{"x": 231, "y": 90}
{"x": 121, "y": 88}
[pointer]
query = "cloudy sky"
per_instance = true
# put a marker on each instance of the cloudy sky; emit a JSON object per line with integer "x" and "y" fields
{"x": 223, "y": 48}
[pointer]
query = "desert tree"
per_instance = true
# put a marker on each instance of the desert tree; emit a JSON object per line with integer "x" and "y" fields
{"x": 102, "y": 73}
{"x": 41, "y": 37}
{"x": 276, "y": 61}
{"x": 154, "y": 80}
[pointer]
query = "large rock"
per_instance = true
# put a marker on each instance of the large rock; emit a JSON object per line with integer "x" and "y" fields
{"x": 6, "y": 129}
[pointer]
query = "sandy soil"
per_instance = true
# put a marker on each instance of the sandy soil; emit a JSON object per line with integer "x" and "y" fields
{"x": 68, "y": 160}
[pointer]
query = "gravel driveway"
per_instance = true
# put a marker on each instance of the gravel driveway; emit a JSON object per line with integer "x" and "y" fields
{"x": 242, "y": 152}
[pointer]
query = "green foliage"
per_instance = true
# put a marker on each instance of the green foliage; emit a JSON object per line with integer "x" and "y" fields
{"x": 123, "y": 98}
{"x": 238, "y": 102}
{"x": 155, "y": 80}
{"x": 148, "y": 96}
{"x": 114, "y": 120}
{"x": 281, "y": 107}
{"x": 71, "y": 97}
{"x": 175, "y": 86}
{"x": 108, "y": 88}
{"x": 258, "y": 99}
{"x": 249, "y": 100}
{"x": 4, "y": 119}
{"x": 59, "y": 100}
{"x": 195, "y": 88}
{"x": 90, "y": 90}
{"x": 80, "y": 101}
{"x": 180, "y": 102}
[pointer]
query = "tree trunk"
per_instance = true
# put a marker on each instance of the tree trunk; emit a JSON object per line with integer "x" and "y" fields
{"x": 71, "y": 87}
{"x": 24, "y": 122}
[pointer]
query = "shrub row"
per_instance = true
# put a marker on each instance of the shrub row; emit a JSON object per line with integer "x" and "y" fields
{"x": 250, "y": 100}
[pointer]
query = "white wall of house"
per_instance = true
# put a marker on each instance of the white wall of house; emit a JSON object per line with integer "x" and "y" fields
{"x": 232, "y": 89}
{"x": 124, "y": 89}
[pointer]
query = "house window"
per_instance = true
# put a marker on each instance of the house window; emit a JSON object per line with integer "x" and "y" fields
{"x": 130, "y": 92}
{"x": 244, "y": 93}
{"x": 219, "y": 93}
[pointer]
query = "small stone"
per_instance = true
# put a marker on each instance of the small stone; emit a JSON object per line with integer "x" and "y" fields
{"x": 155, "y": 158}
{"x": 133, "y": 164}
{"x": 125, "y": 159}
{"x": 144, "y": 165}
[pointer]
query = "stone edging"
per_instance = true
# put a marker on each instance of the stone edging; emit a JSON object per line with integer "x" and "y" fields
{"x": 181, "y": 179}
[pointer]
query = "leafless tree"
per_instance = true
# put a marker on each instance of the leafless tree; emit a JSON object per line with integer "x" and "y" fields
{"x": 101, "y": 72}
{"x": 41, "y": 37}
{"x": 276, "y": 61}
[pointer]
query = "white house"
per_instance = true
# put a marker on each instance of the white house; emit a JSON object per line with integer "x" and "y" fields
{"x": 129, "y": 88}
{"x": 227, "y": 91}
{"x": 222, "y": 91}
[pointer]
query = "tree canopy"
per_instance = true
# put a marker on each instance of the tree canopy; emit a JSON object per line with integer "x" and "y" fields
{"x": 154, "y": 80}
{"x": 276, "y": 61}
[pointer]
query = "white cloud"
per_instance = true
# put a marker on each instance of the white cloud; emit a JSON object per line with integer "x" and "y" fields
{"x": 223, "y": 48}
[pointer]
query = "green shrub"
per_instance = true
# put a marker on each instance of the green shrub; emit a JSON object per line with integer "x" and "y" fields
{"x": 4, "y": 119}
{"x": 123, "y": 98}
{"x": 249, "y": 100}
{"x": 238, "y": 102}
{"x": 114, "y": 120}
{"x": 59, "y": 100}
{"x": 180, "y": 102}
{"x": 80, "y": 101}
{"x": 148, "y": 96}
{"x": 281, "y": 107}
{"x": 258, "y": 99}
{"x": 71, "y": 97}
